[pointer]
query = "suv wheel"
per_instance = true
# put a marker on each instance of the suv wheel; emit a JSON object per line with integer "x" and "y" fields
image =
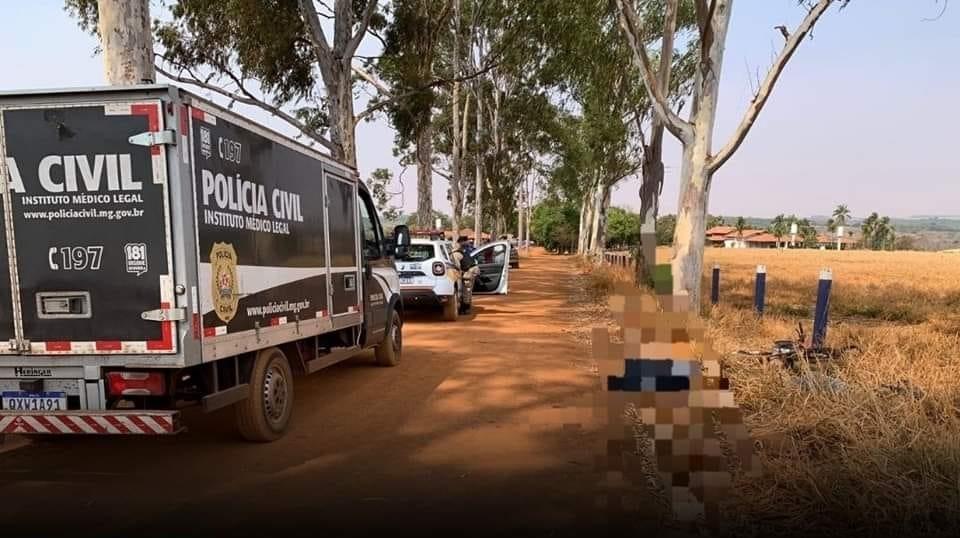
{"x": 451, "y": 309}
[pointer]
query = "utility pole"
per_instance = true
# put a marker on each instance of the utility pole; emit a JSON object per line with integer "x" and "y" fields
{"x": 124, "y": 27}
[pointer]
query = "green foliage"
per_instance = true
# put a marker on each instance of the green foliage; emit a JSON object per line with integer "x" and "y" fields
{"x": 444, "y": 220}
{"x": 623, "y": 228}
{"x": 554, "y": 224}
{"x": 840, "y": 216}
{"x": 778, "y": 227}
{"x": 379, "y": 184}
{"x": 807, "y": 233}
{"x": 878, "y": 233}
{"x": 713, "y": 220}
{"x": 665, "y": 228}
{"x": 86, "y": 12}
{"x": 740, "y": 226}
{"x": 266, "y": 39}
{"x": 407, "y": 60}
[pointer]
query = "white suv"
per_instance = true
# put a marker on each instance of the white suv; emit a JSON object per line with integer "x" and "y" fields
{"x": 428, "y": 275}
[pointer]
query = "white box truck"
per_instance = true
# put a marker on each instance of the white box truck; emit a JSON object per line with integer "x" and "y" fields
{"x": 161, "y": 251}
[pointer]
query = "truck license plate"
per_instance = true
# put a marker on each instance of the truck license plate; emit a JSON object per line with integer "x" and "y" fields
{"x": 406, "y": 280}
{"x": 34, "y": 401}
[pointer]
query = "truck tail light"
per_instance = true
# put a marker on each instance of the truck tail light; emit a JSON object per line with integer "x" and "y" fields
{"x": 136, "y": 384}
{"x": 439, "y": 269}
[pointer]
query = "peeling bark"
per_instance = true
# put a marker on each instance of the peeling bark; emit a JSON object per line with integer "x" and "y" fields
{"x": 696, "y": 136}
{"x": 425, "y": 176}
{"x": 124, "y": 28}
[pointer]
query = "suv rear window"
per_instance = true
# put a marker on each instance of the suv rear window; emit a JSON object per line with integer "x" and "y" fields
{"x": 419, "y": 253}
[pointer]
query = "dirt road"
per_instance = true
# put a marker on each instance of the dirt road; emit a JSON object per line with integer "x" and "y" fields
{"x": 467, "y": 435}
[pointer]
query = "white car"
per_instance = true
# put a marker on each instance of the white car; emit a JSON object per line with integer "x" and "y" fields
{"x": 429, "y": 277}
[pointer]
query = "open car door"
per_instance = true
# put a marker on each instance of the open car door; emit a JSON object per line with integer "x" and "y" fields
{"x": 494, "y": 263}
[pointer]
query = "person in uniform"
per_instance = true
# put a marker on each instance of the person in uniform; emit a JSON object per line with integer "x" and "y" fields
{"x": 469, "y": 276}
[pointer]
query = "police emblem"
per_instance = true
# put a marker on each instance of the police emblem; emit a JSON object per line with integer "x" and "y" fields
{"x": 223, "y": 261}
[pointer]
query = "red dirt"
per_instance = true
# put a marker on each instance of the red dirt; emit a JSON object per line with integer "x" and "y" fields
{"x": 484, "y": 427}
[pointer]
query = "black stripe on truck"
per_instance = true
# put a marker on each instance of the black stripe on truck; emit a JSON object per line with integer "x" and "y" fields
{"x": 258, "y": 203}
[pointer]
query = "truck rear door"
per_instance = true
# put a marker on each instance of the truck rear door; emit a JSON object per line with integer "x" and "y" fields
{"x": 86, "y": 223}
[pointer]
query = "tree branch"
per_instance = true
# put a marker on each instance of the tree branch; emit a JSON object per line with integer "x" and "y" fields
{"x": 354, "y": 42}
{"x": 377, "y": 83}
{"x": 440, "y": 173}
{"x": 391, "y": 97}
{"x": 763, "y": 93}
{"x": 318, "y": 39}
{"x": 247, "y": 98}
{"x": 632, "y": 26}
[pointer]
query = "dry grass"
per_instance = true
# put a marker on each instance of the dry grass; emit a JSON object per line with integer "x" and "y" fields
{"x": 882, "y": 453}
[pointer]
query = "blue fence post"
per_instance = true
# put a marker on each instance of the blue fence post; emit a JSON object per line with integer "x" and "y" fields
{"x": 823, "y": 308}
{"x": 760, "y": 289}
{"x": 715, "y": 286}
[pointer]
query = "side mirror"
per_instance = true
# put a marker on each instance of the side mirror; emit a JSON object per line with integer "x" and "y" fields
{"x": 401, "y": 240}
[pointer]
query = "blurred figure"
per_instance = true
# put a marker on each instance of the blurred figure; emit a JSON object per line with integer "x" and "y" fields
{"x": 461, "y": 255}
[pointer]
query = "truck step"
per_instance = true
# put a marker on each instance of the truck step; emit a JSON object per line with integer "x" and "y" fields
{"x": 337, "y": 354}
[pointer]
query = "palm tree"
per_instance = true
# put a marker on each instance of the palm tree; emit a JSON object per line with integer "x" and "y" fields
{"x": 779, "y": 227}
{"x": 831, "y": 225}
{"x": 885, "y": 232}
{"x": 869, "y": 229}
{"x": 808, "y": 232}
{"x": 740, "y": 226}
{"x": 841, "y": 214}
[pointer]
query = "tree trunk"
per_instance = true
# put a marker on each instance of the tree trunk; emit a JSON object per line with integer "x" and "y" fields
{"x": 599, "y": 221}
{"x": 341, "y": 102}
{"x": 690, "y": 233}
{"x": 599, "y": 241}
{"x": 425, "y": 176}
{"x": 586, "y": 223}
{"x": 530, "y": 213}
{"x": 127, "y": 43}
{"x": 650, "y": 188}
{"x": 478, "y": 193}
{"x": 652, "y": 164}
{"x": 455, "y": 176}
{"x": 580, "y": 231}
{"x": 696, "y": 171}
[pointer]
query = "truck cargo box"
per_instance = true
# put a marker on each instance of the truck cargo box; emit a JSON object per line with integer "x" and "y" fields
{"x": 145, "y": 227}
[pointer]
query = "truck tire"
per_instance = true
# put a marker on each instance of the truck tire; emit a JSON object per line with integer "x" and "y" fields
{"x": 264, "y": 415}
{"x": 451, "y": 309}
{"x": 389, "y": 350}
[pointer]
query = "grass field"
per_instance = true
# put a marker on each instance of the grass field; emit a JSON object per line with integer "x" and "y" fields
{"x": 871, "y": 440}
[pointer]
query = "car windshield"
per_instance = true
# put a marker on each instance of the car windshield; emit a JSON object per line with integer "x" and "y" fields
{"x": 419, "y": 253}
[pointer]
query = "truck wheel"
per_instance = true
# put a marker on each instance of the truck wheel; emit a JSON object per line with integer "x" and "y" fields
{"x": 388, "y": 351}
{"x": 451, "y": 310}
{"x": 264, "y": 415}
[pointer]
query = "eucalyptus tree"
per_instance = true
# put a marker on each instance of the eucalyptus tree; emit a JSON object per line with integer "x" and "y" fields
{"x": 123, "y": 28}
{"x": 699, "y": 160}
{"x": 590, "y": 67}
{"x": 407, "y": 66}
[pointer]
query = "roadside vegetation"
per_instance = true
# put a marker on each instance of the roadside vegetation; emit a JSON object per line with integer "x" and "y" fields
{"x": 870, "y": 441}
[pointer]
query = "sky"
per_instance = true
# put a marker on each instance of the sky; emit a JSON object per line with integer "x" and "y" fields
{"x": 866, "y": 113}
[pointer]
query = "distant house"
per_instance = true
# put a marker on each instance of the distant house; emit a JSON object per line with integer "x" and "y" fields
{"x": 728, "y": 237}
{"x": 717, "y": 235}
{"x": 830, "y": 241}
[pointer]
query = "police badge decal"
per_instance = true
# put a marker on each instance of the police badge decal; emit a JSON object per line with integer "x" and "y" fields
{"x": 223, "y": 261}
